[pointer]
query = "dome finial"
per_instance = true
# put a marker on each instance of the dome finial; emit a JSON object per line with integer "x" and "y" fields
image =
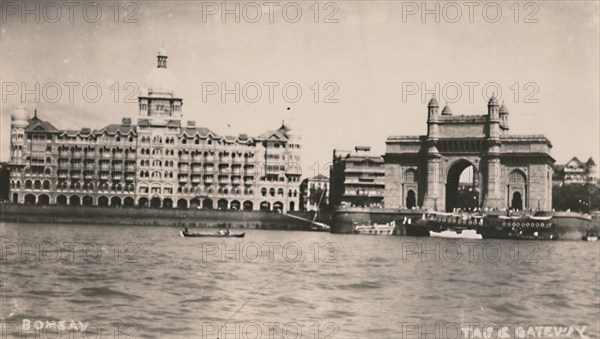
{"x": 493, "y": 101}
{"x": 433, "y": 102}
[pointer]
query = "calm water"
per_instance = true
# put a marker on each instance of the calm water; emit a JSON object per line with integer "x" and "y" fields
{"x": 346, "y": 287}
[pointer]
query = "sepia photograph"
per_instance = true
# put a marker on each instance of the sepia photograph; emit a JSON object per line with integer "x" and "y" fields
{"x": 304, "y": 169}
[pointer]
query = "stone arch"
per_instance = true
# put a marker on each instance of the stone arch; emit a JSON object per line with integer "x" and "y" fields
{"x": 61, "y": 200}
{"x": 167, "y": 203}
{"x": 235, "y": 205}
{"x": 207, "y": 204}
{"x": 265, "y": 206}
{"x": 46, "y": 184}
{"x": 43, "y": 199}
{"x": 222, "y": 204}
{"x": 182, "y": 203}
{"x": 115, "y": 202}
{"x": 128, "y": 202}
{"x": 143, "y": 202}
{"x": 30, "y": 199}
{"x": 248, "y": 205}
{"x": 15, "y": 198}
{"x": 411, "y": 199}
{"x": 87, "y": 201}
{"x": 517, "y": 189}
{"x": 74, "y": 200}
{"x": 453, "y": 198}
{"x": 278, "y": 206}
{"x": 102, "y": 201}
{"x": 155, "y": 202}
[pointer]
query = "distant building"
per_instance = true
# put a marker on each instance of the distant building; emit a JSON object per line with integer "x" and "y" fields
{"x": 357, "y": 178}
{"x": 314, "y": 192}
{"x": 576, "y": 172}
{"x": 158, "y": 162}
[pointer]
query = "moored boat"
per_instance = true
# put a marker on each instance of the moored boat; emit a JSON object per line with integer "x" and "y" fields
{"x": 375, "y": 229}
{"x": 456, "y": 233}
{"x": 208, "y": 235}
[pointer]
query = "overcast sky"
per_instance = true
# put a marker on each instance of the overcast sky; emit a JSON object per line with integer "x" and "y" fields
{"x": 377, "y": 57}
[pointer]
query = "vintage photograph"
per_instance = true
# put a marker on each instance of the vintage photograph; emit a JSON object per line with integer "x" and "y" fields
{"x": 354, "y": 169}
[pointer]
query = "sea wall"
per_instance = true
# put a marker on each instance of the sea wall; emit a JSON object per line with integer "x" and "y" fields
{"x": 156, "y": 217}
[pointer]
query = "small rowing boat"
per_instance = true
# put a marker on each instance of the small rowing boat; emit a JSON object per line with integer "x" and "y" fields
{"x": 206, "y": 235}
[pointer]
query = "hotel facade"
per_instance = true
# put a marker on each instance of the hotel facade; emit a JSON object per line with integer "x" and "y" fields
{"x": 159, "y": 162}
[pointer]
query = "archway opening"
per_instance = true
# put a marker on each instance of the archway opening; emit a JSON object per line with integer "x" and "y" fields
{"x": 265, "y": 206}
{"x": 128, "y": 202}
{"x": 222, "y": 204}
{"x": 517, "y": 201}
{"x": 74, "y": 200}
{"x": 102, "y": 201}
{"x": 195, "y": 203}
{"x": 30, "y": 199}
{"x": 61, "y": 200}
{"x": 168, "y": 203}
{"x": 43, "y": 199}
{"x": 235, "y": 205}
{"x": 411, "y": 199}
{"x": 88, "y": 201}
{"x": 278, "y": 206}
{"x": 143, "y": 202}
{"x": 182, "y": 203}
{"x": 15, "y": 198}
{"x": 248, "y": 205}
{"x": 115, "y": 202}
{"x": 462, "y": 187}
{"x": 207, "y": 204}
{"x": 155, "y": 202}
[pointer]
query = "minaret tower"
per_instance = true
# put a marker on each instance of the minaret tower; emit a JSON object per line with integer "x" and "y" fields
{"x": 493, "y": 194}
{"x": 430, "y": 200}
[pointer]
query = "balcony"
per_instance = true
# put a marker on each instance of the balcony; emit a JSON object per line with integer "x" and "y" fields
{"x": 90, "y": 167}
{"x": 77, "y": 154}
{"x": 75, "y": 175}
{"x": 182, "y": 179}
{"x": 88, "y": 176}
{"x": 197, "y": 170}
{"x": 184, "y": 169}
{"x": 196, "y": 180}
{"x": 130, "y": 168}
{"x": 62, "y": 175}
{"x": 184, "y": 158}
{"x": 64, "y": 166}
{"x": 129, "y": 177}
{"x": 208, "y": 180}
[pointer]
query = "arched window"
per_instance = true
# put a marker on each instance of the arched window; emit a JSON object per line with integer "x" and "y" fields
{"x": 410, "y": 176}
{"x": 516, "y": 177}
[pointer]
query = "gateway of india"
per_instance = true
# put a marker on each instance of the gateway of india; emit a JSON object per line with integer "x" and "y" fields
{"x": 159, "y": 162}
{"x": 511, "y": 171}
